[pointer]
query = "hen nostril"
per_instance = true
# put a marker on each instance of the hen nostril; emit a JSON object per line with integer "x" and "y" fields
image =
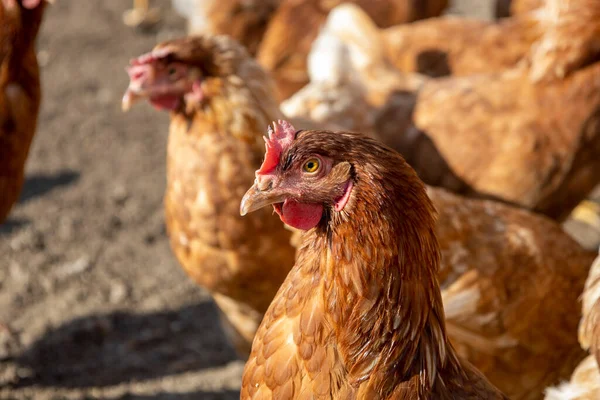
{"x": 264, "y": 183}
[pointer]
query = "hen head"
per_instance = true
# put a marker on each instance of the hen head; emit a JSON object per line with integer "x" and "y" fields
{"x": 173, "y": 75}
{"x": 325, "y": 179}
{"x": 303, "y": 176}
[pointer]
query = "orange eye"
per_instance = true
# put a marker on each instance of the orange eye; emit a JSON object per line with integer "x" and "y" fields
{"x": 311, "y": 166}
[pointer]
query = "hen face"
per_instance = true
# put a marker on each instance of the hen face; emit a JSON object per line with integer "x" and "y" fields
{"x": 301, "y": 182}
{"x": 165, "y": 83}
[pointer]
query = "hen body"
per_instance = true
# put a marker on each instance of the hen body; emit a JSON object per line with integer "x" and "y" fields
{"x": 360, "y": 314}
{"x": 20, "y": 96}
{"x": 509, "y": 281}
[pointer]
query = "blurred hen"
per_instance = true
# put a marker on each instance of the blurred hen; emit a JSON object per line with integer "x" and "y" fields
{"x": 20, "y": 93}
{"x": 220, "y": 101}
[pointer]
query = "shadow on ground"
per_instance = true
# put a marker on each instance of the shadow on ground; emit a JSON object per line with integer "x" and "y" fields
{"x": 39, "y": 185}
{"x": 103, "y": 350}
{"x": 11, "y": 225}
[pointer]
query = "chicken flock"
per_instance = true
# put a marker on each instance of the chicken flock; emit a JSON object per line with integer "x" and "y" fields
{"x": 419, "y": 165}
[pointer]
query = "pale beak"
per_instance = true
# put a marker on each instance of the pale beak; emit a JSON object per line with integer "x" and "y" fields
{"x": 255, "y": 199}
{"x": 129, "y": 99}
{"x": 138, "y": 75}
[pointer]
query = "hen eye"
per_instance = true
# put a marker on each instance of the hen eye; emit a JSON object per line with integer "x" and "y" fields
{"x": 172, "y": 71}
{"x": 311, "y": 165}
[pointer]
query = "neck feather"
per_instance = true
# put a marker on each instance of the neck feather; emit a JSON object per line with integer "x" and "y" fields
{"x": 379, "y": 263}
{"x": 242, "y": 104}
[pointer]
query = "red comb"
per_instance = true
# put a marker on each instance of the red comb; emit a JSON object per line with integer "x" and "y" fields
{"x": 151, "y": 57}
{"x": 281, "y": 135}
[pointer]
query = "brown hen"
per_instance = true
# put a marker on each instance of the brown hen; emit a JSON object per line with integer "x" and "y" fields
{"x": 20, "y": 93}
{"x": 296, "y": 24}
{"x": 484, "y": 244}
{"x": 360, "y": 315}
{"x": 220, "y": 100}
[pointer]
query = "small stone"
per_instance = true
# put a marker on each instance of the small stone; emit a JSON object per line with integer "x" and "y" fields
{"x": 118, "y": 292}
{"x": 76, "y": 267}
{"x": 119, "y": 195}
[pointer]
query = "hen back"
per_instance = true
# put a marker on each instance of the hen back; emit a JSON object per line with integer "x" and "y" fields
{"x": 20, "y": 96}
{"x": 458, "y": 46}
{"x": 462, "y": 46}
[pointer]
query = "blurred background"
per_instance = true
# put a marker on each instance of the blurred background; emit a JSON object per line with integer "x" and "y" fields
{"x": 93, "y": 304}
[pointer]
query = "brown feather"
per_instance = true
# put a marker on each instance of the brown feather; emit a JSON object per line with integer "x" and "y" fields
{"x": 20, "y": 96}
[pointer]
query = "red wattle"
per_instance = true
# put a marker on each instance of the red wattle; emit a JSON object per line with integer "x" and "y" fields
{"x": 167, "y": 102}
{"x": 300, "y": 215}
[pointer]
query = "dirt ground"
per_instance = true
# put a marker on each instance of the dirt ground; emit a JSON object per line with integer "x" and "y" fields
{"x": 94, "y": 302}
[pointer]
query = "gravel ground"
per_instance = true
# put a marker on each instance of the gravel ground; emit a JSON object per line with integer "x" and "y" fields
{"x": 94, "y": 302}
